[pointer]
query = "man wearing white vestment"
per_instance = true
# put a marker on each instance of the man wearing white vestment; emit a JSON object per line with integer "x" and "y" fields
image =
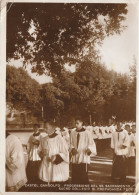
{"x": 34, "y": 158}
{"x": 119, "y": 144}
{"x": 82, "y": 146}
{"x": 15, "y": 164}
{"x": 131, "y": 150}
{"x": 65, "y": 135}
{"x": 55, "y": 157}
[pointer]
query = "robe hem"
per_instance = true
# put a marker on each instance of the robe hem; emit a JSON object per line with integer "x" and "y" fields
{"x": 53, "y": 181}
{"x": 17, "y": 186}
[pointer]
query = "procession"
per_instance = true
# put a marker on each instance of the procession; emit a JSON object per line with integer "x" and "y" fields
{"x": 49, "y": 157}
{"x": 69, "y": 97}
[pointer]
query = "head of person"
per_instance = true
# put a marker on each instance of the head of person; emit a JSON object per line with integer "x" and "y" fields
{"x": 133, "y": 129}
{"x": 99, "y": 123}
{"x": 79, "y": 124}
{"x": 127, "y": 128}
{"x": 50, "y": 127}
{"x": 119, "y": 126}
{"x": 36, "y": 127}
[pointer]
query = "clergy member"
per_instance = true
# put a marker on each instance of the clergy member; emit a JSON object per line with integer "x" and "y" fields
{"x": 34, "y": 158}
{"x": 119, "y": 144}
{"x": 55, "y": 157}
{"x": 15, "y": 164}
{"x": 82, "y": 146}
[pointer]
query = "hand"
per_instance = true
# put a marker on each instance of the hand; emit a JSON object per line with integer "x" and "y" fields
{"x": 88, "y": 151}
{"x": 41, "y": 154}
{"x": 48, "y": 159}
{"x": 122, "y": 147}
{"x": 74, "y": 151}
{"x": 132, "y": 143}
{"x": 53, "y": 157}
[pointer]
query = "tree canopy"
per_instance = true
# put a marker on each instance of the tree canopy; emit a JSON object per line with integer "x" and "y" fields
{"x": 49, "y": 35}
{"x": 21, "y": 90}
{"x": 91, "y": 91}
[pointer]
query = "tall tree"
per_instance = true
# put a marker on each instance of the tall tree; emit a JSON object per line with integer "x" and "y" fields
{"x": 21, "y": 90}
{"x": 48, "y": 35}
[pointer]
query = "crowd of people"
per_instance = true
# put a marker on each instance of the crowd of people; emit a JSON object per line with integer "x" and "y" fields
{"x": 49, "y": 156}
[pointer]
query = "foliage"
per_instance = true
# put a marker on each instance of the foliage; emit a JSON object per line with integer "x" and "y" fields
{"x": 49, "y": 35}
{"x": 90, "y": 90}
{"x": 21, "y": 90}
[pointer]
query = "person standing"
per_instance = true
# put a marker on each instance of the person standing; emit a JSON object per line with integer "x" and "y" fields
{"x": 82, "y": 146}
{"x": 131, "y": 163}
{"x": 119, "y": 144}
{"x": 33, "y": 157}
{"x": 53, "y": 150}
{"x": 127, "y": 129}
{"x": 65, "y": 135}
{"x": 15, "y": 164}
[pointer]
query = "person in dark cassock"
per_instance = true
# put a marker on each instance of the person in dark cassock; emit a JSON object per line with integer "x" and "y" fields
{"x": 82, "y": 146}
{"x": 131, "y": 151}
{"x": 34, "y": 158}
{"x": 119, "y": 144}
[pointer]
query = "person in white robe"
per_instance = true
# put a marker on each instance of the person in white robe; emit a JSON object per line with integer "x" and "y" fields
{"x": 100, "y": 137}
{"x": 15, "y": 164}
{"x": 119, "y": 144}
{"x": 94, "y": 134}
{"x": 65, "y": 135}
{"x": 127, "y": 130}
{"x": 131, "y": 150}
{"x": 82, "y": 146}
{"x": 55, "y": 157}
{"x": 34, "y": 158}
{"x": 133, "y": 143}
{"x": 105, "y": 137}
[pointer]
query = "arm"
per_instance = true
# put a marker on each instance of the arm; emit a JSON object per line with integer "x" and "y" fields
{"x": 16, "y": 158}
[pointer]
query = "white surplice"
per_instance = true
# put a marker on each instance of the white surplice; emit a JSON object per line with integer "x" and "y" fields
{"x": 91, "y": 129}
{"x": 32, "y": 149}
{"x": 85, "y": 142}
{"x": 50, "y": 172}
{"x": 15, "y": 164}
{"x": 132, "y": 145}
{"x": 118, "y": 139}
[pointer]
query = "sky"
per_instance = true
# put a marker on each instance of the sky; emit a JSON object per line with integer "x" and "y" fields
{"x": 117, "y": 51}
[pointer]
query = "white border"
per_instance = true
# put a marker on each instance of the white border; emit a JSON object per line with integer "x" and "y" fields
{"x": 3, "y": 87}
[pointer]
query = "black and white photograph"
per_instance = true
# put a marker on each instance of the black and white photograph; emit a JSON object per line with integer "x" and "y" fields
{"x": 70, "y": 96}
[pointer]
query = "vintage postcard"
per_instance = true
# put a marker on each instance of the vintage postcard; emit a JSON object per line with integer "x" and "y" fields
{"x": 68, "y": 97}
